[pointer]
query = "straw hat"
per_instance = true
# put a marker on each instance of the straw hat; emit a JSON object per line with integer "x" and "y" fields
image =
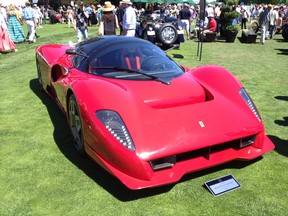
{"x": 126, "y": 2}
{"x": 108, "y": 7}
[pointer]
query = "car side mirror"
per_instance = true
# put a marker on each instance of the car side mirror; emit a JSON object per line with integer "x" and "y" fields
{"x": 71, "y": 52}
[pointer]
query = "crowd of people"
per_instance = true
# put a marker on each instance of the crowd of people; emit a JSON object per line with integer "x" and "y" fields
{"x": 124, "y": 17}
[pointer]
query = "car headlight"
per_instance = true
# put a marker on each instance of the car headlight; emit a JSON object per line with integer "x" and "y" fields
{"x": 250, "y": 103}
{"x": 114, "y": 124}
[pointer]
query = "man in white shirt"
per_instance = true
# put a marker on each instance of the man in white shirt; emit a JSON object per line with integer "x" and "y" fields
{"x": 273, "y": 18}
{"x": 129, "y": 19}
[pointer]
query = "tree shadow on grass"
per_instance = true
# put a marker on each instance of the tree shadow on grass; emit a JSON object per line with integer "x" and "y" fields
{"x": 283, "y": 122}
{"x": 282, "y": 51}
{"x": 281, "y": 146}
{"x": 280, "y": 40}
{"x": 64, "y": 141}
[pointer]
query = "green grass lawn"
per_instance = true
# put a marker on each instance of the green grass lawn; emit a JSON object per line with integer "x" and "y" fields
{"x": 41, "y": 174}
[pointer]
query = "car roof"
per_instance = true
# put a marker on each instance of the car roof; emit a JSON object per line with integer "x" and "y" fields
{"x": 98, "y": 43}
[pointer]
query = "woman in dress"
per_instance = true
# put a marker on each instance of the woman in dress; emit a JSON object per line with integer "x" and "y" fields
{"x": 108, "y": 21}
{"x": 6, "y": 44}
{"x": 14, "y": 27}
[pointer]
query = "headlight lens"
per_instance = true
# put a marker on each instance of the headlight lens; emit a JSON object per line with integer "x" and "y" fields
{"x": 114, "y": 124}
{"x": 250, "y": 103}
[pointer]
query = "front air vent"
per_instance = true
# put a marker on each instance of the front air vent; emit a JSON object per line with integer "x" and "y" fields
{"x": 163, "y": 163}
{"x": 247, "y": 141}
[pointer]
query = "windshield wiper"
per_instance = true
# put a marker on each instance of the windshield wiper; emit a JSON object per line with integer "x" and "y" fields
{"x": 166, "y": 81}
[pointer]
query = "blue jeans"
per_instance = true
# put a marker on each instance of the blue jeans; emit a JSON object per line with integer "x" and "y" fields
{"x": 271, "y": 31}
{"x": 82, "y": 33}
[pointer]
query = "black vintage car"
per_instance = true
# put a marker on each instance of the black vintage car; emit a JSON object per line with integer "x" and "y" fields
{"x": 165, "y": 33}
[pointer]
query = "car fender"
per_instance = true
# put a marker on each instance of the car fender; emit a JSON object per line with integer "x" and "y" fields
{"x": 118, "y": 99}
{"x": 217, "y": 79}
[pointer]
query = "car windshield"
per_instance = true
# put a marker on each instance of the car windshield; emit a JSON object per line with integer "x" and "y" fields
{"x": 136, "y": 61}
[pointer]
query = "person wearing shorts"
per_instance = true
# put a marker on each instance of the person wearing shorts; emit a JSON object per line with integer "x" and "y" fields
{"x": 185, "y": 19}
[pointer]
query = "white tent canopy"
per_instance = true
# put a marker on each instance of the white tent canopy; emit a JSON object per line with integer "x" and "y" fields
{"x": 14, "y": 2}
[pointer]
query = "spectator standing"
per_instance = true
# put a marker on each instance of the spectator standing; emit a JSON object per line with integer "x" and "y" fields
{"x": 129, "y": 19}
{"x": 37, "y": 16}
{"x": 209, "y": 11}
{"x": 61, "y": 12}
{"x": 88, "y": 10}
{"x": 273, "y": 19}
{"x": 99, "y": 13}
{"x": 28, "y": 15}
{"x": 69, "y": 14}
{"x": 52, "y": 15}
{"x": 281, "y": 14}
{"x": 108, "y": 20}
{"x": 94, "y": 15}
{"x": 185, "y": 19}
{"x": 174, "y": 11}
{"x": 43, "y": 11}
{"x": 81, "y": 25}
{"x": 120, "y": 13}
{"x": 264, "y": 19}
{"x": 217, "y": 12}
{"x": 14, "y": 27}
{"x": 244, "y": 17}
{"x": 6, "y": 44}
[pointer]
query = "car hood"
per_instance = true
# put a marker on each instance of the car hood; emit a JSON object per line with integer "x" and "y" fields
{"x": 169, "y": 119}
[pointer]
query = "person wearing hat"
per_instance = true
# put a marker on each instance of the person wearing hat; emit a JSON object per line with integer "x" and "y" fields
{"x": 108, "y": 20}
{"x": 129, "y": 19}
{"x": 81, "y": 22}
{"x": 209, "y": 10}
{"x": 211, "y": 27}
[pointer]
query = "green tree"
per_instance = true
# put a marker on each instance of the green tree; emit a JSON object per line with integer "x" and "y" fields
{"x": 232, "y": 2}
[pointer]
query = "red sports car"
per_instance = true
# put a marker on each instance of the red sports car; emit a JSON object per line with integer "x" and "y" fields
{"x": 144, "y": 118}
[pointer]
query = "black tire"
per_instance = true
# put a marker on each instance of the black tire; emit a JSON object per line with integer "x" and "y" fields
{"x": 75, "y": 125}
{"x": 167, "y": 34}
{"x": 144, "y": 34}
{"x": 285, "y": 32}
{"x": 39, "y": 75}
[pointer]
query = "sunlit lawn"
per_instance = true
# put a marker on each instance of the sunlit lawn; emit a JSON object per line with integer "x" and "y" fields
{"x": 41, "y": 174}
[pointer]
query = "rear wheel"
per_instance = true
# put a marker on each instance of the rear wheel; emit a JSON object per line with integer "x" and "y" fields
{"x": 76, "y": 125}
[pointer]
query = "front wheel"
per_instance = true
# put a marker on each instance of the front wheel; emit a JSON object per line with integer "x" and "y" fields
{"x": 285, "y": 32}
{"x": 39, "y": 76}
{"x": 167, "y": 34}
{"x": 76, "y": 125}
